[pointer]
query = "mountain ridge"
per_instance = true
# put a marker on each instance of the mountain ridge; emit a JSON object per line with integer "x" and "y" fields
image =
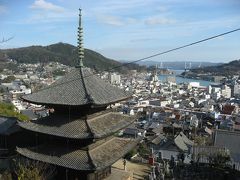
{"x": 227, "y": 69}
{"x": 177, "y": 65}
{"x": 63, "y": 53}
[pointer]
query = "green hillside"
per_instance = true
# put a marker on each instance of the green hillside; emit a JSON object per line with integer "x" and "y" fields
{"x": 63, "y": 53}
{"x": 231, "y": 68}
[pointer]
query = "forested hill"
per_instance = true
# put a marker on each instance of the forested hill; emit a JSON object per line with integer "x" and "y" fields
{"x": 60, "y": 52}
{"x": 231, "y": 68}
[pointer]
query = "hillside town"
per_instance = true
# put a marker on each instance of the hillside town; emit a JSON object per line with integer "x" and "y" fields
{"x": 177, "y": 123}
{"x": 69, "y": 113}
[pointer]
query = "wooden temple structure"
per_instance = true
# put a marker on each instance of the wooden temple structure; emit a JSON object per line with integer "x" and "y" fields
{"x": 78, "y": 137}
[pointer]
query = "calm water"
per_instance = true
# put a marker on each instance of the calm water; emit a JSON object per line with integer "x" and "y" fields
{"x": 179, "y": 80}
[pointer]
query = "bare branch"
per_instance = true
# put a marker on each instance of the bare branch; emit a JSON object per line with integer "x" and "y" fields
{"x": 5, "y": 40}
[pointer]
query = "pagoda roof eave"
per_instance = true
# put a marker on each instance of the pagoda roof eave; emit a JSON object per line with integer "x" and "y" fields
{"x": 98, "y": 158}
{"x": 87, "y": 136}
{"x": 95, "y": 126}
{"x": 48, "y": 154}
{"x": 92, "y": 104}
{"x": 111, "y": 151}
{"x": 109, "y": 123}
{"x": 79, "y": 87}
{"x": 119, "y": 100}
{"x": 23, "y": 98}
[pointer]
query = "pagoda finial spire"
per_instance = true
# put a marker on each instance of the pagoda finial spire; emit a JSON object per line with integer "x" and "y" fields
{"x": 80, "y": 42}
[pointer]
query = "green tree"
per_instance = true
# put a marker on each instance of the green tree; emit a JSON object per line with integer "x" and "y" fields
{"x": 28, "y": 170}
{"x": 143, "y": 149}
{"x": 7, "y": 109}
{"x": 181, "y": 157}
{"x": 58, "y": 73}
{"x": 220, "y": 158}
{"x": 6, "y": 175}
{"x": 1, "y": 90}
{"x": 130, "y": 154}
{"x": 8, "y": 79}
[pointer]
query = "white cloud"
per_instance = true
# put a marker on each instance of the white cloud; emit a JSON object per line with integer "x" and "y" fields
{"x": 144, "y": 40}
{"x": 161, "y": 9}
{"x": 47, "y": 6}
{"x": 111, "y": 20}
{"x": 115, "y": 20}
{"x": 158, "y": 21}
{"x": 3, "y": 9}
{"x": 116, "y": 6}
{"x": 119, "y": 13}
{"x": 47, "y": 12}
{"x": 51, "y": 17}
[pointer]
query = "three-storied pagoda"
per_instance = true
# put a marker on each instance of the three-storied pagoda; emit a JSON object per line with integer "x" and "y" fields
{"x": 78, "y": 136}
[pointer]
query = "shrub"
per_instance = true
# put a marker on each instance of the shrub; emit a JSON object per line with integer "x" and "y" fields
{"x": 28, "y": 169}
{"x": 220, "y": 158}
{"x": 143, "y": 149}
{"x": 130, "y": 154}
{"x": 7, "y": 109}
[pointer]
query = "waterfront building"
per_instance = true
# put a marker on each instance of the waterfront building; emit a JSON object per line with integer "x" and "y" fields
{"x": 194, "y": 84}
{"x": 115, "y": 78}
{"x": 226, "y": 91}
{"x": 171, "y": 79}
{"x": 154, "y": 75}
{"x": 78, "y": 136}
{"x": 218, "y": 79}
{"x": 236, "y": 90}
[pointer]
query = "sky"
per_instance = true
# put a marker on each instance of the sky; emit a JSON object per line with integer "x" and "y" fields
{"x": 127, "y": 29}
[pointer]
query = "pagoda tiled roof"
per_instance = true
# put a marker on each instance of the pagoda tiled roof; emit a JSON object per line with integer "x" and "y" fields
{"x": 99, "y": 157}
{"x": 61, "y": 156}
{"x": 59, "y": 125}
{"x": 79, "y": 87}
{"x": 8, "y": 125}
{"x": 109, "y": 123}
{"x": 109, "y": 152}
{"x": 97, "y": 126}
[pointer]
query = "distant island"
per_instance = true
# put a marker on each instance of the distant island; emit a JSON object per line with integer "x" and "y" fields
{"x": 178, "y": 65}
{"x": 214, "y": 73}
{"x": 229, "y": 69}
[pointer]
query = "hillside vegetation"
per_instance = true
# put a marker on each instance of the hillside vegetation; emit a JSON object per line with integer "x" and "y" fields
{"x": 228, "y": 69}
{"x": 63, "y": 53}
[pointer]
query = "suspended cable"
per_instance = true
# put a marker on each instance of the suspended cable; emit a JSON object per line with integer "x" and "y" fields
{"x": 174, "y": 49}
{"x": 151, "y": 56}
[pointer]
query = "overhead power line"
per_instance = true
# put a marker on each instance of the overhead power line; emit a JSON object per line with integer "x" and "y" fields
{"x": 154, "y": 55}
{"x": 174, "y": 49}
{"x": 5, "y": 40}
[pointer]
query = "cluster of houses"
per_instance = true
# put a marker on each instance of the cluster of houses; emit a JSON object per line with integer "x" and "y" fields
{"x": 172, "y": 115}
{"x": 74, "y": 126}
{"x": 184, "y": 118}
{"x": 28, "y": 78}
